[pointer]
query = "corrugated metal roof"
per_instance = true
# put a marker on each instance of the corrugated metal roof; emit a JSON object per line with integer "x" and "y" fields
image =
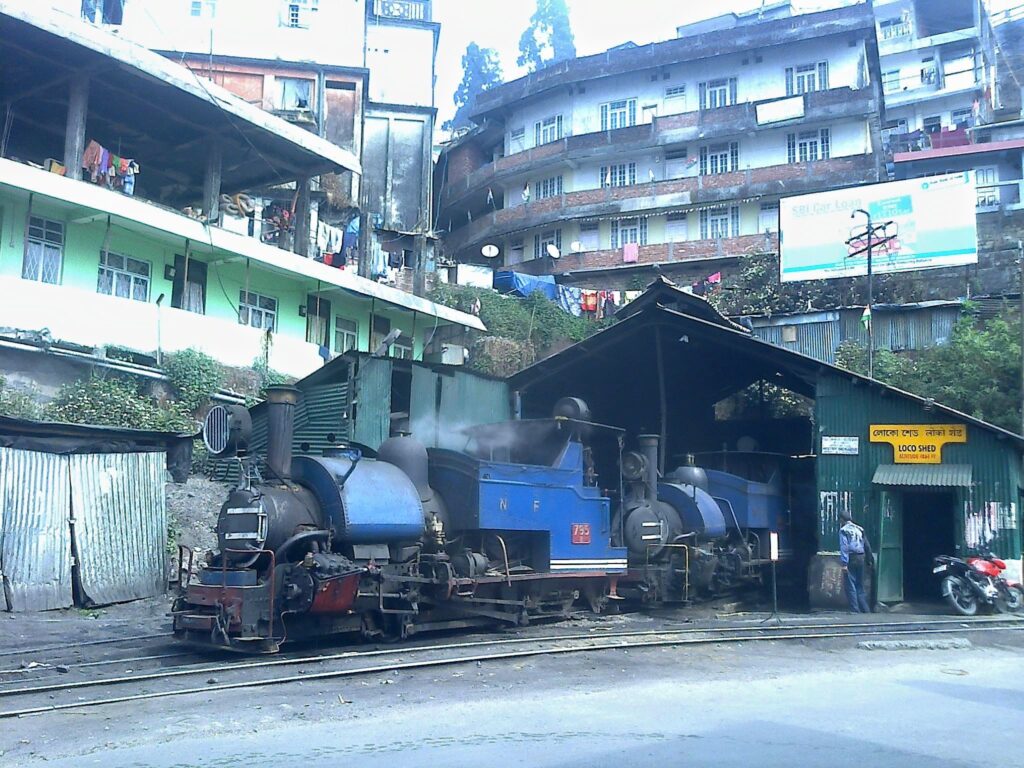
{"x": 35, "y": 541}
{"x": 940, "y": 475}
{"x": 120, "y": 526}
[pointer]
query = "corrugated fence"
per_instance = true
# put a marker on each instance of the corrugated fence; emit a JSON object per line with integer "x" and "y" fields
{"x": 107, "y": 509}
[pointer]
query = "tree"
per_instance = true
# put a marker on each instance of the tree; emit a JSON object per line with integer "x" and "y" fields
{"x": 481, "y": 69}
{"x": 548, "y": 38}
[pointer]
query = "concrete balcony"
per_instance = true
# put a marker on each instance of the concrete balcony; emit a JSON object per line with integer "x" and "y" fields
{"x": 95, "y": 320}
{"x": 655, "y": 253}
{"x": 664, "y": 131}
{"x": 676, "y": 194}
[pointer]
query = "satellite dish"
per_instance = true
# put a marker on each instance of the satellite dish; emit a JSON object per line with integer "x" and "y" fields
{"x": 553, "y": 251}
{"x": 576, "y": 246}
{"x": 490, "y": 251}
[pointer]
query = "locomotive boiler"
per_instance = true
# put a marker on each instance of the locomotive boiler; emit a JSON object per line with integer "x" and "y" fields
{"x": 514, "y": 528}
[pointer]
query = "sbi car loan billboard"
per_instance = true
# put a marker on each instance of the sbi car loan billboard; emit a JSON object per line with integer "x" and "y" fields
{"x": 933, "y": 225}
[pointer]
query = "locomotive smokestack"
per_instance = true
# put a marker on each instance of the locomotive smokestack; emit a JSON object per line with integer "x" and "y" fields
{"x": 649, "y": 448}
{"x": 280, "y": 428}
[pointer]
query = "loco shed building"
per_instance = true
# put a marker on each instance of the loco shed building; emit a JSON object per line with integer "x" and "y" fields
{"x": 672, "y": 155}
{"x": 923, "y": 479}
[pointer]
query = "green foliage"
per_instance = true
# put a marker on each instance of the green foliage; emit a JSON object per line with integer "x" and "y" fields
{"x": 195, "y": 376}
{"x": 502, "y": 357}
{"x": 17, "y": 404}
{"x": 756, "y": 289}
{"x": 481, "y": 69}
{"x": 977, "y": 372}
{"x": 118, "y": 403}
{"x": 548, "y": 38}
{"x": 764, "y": 400}
{"x": 265, "y": 377}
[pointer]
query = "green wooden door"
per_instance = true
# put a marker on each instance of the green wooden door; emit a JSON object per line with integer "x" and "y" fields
{"x": 890, "y": 547}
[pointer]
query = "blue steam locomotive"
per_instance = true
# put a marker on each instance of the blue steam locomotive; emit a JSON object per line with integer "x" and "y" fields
{"x": 512, "y": 529}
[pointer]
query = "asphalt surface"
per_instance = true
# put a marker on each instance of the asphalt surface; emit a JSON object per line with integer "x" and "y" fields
{"x": 826, "y": 703}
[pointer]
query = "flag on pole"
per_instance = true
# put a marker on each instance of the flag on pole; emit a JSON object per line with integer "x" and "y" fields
{"x": 865, "y": 318}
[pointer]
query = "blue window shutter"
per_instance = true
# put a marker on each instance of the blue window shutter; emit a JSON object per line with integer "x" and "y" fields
{"x": 732, "y": 90}
{"x": 537, "y": 132}
{"x": 632, "y": 173}
{"x": 558, "y": 129}
{"x": 558, "y": 239}
{"x": 735, "y": 216}
{"x": 632, "y": 112}
{"x": 604, "y": 176}
{"x": 643, "y": 231}
{"x": 823, "y": 76}
{"x": 559, "y": 185}
{"x": 536, "y": 246}
{"x": 734, "y": 156}
{"x": 704, "y": 225}
{"x": 615, "y": 233}
{"x": 826, "y": 144}
{"x": 791, "y": 147}
{"x": 789, "y": 81}
{"x": 702, "y": 94}
{"x": 703, "y": 161}
{"x": 604, "y": 117}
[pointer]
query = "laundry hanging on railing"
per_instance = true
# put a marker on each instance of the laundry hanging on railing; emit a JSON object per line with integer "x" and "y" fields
{"x": 109, "y": 170}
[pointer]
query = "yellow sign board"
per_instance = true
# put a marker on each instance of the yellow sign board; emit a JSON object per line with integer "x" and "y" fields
{"x": 918, "y": 443}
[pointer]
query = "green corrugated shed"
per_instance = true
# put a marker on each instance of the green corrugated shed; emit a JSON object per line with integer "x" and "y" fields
{"x": 847, "y": 407}
{"x": 372, "y": 401}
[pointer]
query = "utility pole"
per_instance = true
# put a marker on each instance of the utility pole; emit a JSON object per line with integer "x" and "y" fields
{"x": 886, "y": 238}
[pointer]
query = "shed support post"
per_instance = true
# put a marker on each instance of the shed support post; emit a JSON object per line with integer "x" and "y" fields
{"x": 419, "y": 271}
{"x": 301, "y": 245}
{"x": 211, "y": 181}
{"x": 74, "y": 132}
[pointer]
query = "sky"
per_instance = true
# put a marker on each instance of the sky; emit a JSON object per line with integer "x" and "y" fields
{"x": 597, "y": 25}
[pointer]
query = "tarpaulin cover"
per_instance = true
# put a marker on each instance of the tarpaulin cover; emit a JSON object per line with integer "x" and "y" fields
{"x": 522, "y": 284}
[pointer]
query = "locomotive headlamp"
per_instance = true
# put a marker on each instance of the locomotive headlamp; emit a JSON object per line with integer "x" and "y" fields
{"x": 633, "y": 465}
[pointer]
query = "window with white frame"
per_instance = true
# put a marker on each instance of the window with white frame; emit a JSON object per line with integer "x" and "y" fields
{"x": 962, "y": 118}
{"x": 294, "y": 93}
{"x": 987, "y": 179}
{"x": 619, "y": 175}
{"x": 402, "y": 349}
{"x": 808, "y": 146}
{"x": 203, "y": 9}
{"x": 891, "y": 80}
{"x": 516, "y": 140}
{"x": 718, "y": 223}
{"x": 618, "y": 114}
{"x": 890, "y": 29}
{"x": 547, "y": 188}
{"x": 625, "y": 231}
{"x": 123, "y": 276}
{"x": 298, "y": 13}
{"x": 544, "y": 239}
{"x": 257, "y": 311}
{"x": 807, "y": 78}
{"x": 718, "y": 93}
{"x": 346, "y": 335}
{"x": 547, "y": 130}
{"x": 44, "y": 251}
{"x": 719, "y": 158}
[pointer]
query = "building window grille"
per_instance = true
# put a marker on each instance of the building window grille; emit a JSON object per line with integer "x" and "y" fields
{"x": 346, "y": 335}
{"x": 257, "y": 311}
{"x": 808, "y": 146}
{"x": 548, "y": 188}
{"x": 547, "y": 130}
{"x": 44, "y": 253}
{"x": 123, "y": 276}
{"x": 718, "y": 93}
{"x": 625, "y": 231}
{"x": 618, "y": 114}
{"x": 621, "y": 175}
{"x": 544, "y": 239}
{"x": 893, "y": 28}
{"x": 807, "y": 78}
{"x": 297, "y": 13}
{"x": 719, "y": 158}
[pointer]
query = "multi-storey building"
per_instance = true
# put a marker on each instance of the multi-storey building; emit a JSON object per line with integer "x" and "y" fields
{"x": 108, "y": 152}
{"x": 672, "y": 155}
{"x": 359, "y": 73}
{"x": 938, "y": 65}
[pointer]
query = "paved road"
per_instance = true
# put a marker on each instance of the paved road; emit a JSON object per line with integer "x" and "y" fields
{"x": 826, "y": 707}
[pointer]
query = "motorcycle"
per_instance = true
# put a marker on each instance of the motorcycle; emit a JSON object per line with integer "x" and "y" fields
{"x": 978, "y": 581}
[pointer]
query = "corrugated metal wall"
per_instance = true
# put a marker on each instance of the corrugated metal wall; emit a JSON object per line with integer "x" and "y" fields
{"x": 321, "y": 418}
{"x": 468, "y": 400}
{"x": 119, "y": 526}
{"x": 373, "y": 401}
{"x": 35, "y": 540}
{"x": 844, "y": 408}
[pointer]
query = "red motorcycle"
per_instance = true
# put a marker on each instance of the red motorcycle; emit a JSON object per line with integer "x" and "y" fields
{"x": 978, "y": 580}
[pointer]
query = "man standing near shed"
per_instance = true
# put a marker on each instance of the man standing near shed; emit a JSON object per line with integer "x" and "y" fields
{"x": 855, "y": 553}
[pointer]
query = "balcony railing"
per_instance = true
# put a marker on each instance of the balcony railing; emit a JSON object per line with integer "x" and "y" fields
{"x": 95, "y": 320}
{"x": 410, "y": 10}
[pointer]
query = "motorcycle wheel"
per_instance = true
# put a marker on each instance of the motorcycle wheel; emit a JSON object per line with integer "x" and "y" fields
{"x": 959, "y": 596}
{"x": 1010, "y": 600}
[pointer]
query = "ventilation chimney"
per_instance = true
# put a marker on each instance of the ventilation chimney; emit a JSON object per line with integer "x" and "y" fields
{"x": 281, "y": 402}
{"x": 649, "y": 448}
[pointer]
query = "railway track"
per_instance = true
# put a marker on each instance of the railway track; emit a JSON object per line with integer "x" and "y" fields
{"x": 23, "y": 700}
